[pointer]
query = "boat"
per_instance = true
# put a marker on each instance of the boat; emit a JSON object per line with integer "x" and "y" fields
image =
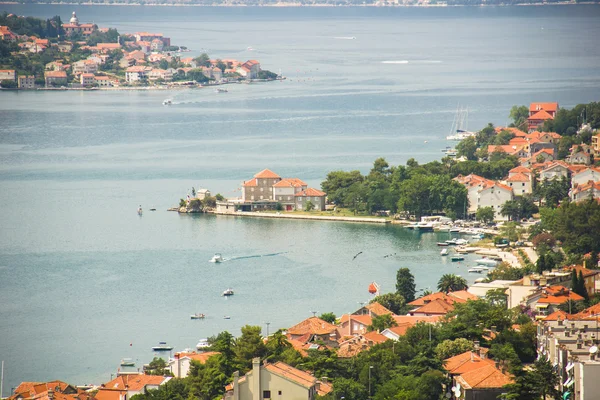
{"x": 127, "y": 362}
{"x": 167, "y": 102}
{"x": 444, "y": 252}
{"x": 197, "y": 316}
{"x": 475, "y": 270}
{"x": 479, "y": 280}
{"x": 461, "y": 242}
{"x": 454, "y": 229}
{"x": 226, "y": 317}
{"x": 450, "y": 152}
{"x": 139, "y": 210}
{"x": 374, "y": 288}
{"x": 487, "y": 262}
{"x": 228, "y": 292}
{"x": 442, "y": 244}
{"x": 216, "y": 258}
{"x": 457, "y": 258}
{"x": 153, "y": 209}
{"x": 459, "y": 131}
{"x": 162, "y": 346}
{"x": 202, "y": 344}
{"x": 219, "y": 90}
{"x": 451, "y": 241}
{"x": 424, "y": 227}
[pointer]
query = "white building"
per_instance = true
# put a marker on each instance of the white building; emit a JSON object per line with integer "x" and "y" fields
{"x": 494, "y": 195}
{"x": 285, "y": 191}
{"x": 584, "y": 176}
{"x": 85, "y": 67}
{"x": 556, "y": 170}
{"x": 180, "y": 365}
{"x": 520, "y": 183}
{"x": 137, "y": 73}
{"x": 87, "y": 79}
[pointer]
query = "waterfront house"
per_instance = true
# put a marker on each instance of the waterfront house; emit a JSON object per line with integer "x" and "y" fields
{"x": 494, "y": 195}
{"x": 87, "y": 80}
{"x": 137, "y": 73}
{"x": 180, "y": 365}
{"x": 316, "y": 197}
{"x": 8, "y": 75}
{"x": 57, "y": 390}
{"x": 103, "y": 81}
{"x": 85, "y": 67}
{"x": 260, "y": 187}
{"x": 26, "y": 82}
{"x": 285, "y": 191}
{"x": 540, "y": 112}
{"x": 275, "y": 381}
{"x": 55, "y": 78}
{"x": 249, "y": 69}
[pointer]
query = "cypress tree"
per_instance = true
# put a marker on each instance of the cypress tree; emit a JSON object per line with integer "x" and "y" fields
{"x": 582, "y": 289}
{"x": 541, "y": 264}
{"x": 574, "y": 281}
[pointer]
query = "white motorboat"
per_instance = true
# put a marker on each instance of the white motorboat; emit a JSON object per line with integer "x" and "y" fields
{"x": 424, "y": 227}
{"x": 219, "y": 90}
{"x": 197, "y": 316}
{"x": 487, "y": 262}
{"x": 478, "y": 270}
{"x": 202, "y": 344}
{"x": 167, "y": 102}
{"x": 226, "y": 317}
{"x": 228, "y": 292}
{"x": 461, "y": 242}
{"x": 217, "y": 258}
{"x": 162, "y": 346}
{"x": 444, "y": 252}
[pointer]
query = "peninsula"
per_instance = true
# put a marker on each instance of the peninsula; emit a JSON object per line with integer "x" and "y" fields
{"x": 51, "y": 54}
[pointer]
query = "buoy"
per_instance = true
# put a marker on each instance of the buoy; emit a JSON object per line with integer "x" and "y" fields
{"x": 373, "y": 288}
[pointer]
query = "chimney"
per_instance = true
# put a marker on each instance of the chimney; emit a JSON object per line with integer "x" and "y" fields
{"x": 477, "y": 348}
{"x": 50, "y": 394}
{"x": 236, "y": 387}
{"x": 324, "y": 379}
{"x": 256, "y": 379}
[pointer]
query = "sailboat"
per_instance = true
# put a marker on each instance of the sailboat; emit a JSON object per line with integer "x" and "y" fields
{"x": 459, "y": 125}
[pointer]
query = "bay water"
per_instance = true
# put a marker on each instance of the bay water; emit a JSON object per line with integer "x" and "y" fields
{"x": 85, "y": 281}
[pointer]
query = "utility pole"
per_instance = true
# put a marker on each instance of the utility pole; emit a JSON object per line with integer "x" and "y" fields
{"x": 370, "y": 368}
{"x": 2, "y": 380}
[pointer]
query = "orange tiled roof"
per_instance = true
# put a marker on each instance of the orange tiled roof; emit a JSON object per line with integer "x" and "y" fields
{"x": 375, "y": 337}
{"x": 267, "y": 174}
{"x": 543, "y": 106}
{"x": 401, "y": 329}
{"x": 465, "y": 362}
{"x": 514, "y": 131}
{"x": 290, "y": 182}
{"x": 292, "y": 374}
{"x": 486, "y": 377}
{"x": 311, "y": 192}
{"x": 584, "y": 271}
{"x": 437, "y": 306}
{"x": 559, "y": 297}
{"x": 362, "y": 319}
{"x": 558, "y": 314}
{"x": 312, "y": 325}
{"x": 250, "y": 183}
{"x": 324, "y": 388}
{"x": 134, "y": 382}
{"x": 520, "y": 169}
{"x": 518, "y": 177}
{"x": 460, "y": 296}
{"x": 377, "y": 309}
{"x": 55, "y": 74}
{"x": 540, "y": 115}
{"x": 110, "y": 394}
{"x": 200, "y": 357}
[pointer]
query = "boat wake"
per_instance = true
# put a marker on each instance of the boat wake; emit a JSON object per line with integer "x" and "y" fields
{"x": 345, "y": 37}
{"x": 395, "y": 62}
{"x": 411, "y": 62}
{"x": 254, "y": 256}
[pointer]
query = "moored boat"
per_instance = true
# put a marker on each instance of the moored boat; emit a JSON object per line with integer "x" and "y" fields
{"x": 444, "y": 252}
{"x": 197, "y": 316}
{"x": 162, "y": 346}
{"x": 487, "y": 262}
{"x": 442, "y": 244}
{"x": 228, "y": 292}
{"x": 457, "y": 258}
{"x": 127, "y": 362}
{"x": 202, "y": 344}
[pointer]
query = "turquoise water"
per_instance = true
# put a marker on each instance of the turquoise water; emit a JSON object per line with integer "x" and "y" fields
{"x": 82, "y": 276}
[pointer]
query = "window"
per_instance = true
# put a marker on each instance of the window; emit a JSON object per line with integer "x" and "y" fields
{"x": 279, "y": 393}
{"x": 289, "y": 197}
{"x": 261, "y": 189}
{"x": 251, "y": 197}
{"x": 266, "y": 394}
{"x": 261, "y": 197}
{"x": 252, "y": 189}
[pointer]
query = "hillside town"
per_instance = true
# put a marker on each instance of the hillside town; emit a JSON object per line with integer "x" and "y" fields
{"x": 82, "y": 55}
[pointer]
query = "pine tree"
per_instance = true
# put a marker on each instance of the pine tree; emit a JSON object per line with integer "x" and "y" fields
{"x": 574, "y": 281}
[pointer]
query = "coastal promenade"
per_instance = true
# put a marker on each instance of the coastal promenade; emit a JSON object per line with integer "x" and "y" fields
{"x": 306, "y": 217}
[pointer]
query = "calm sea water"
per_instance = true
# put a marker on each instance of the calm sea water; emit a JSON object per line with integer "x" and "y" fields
{"x": 85, "y": 282}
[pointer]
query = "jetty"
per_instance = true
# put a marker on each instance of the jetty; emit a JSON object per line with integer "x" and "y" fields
{"x": 259, "y": 214}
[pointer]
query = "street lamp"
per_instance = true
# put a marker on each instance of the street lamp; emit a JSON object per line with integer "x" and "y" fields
{"x": 370, "y": 368}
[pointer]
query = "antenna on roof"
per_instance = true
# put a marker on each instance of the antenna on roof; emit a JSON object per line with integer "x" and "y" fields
{"x": 314, "y": 313}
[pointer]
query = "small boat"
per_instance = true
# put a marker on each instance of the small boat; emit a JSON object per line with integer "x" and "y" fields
{"x": 461, "y": 242}
{"x": 139, "y": 210}
{"x": 479, "y": 280}
{"x": 197, "y": 316}
{"x": 444, "y": 252}
{"x": 374, "y": 288}
{"x": 219, "y": 90}
{"x": 442, "y": 244}
{"x": 424, "y": 227}
{"x": 487, "y": 262}
{"x": 451, "y": 241}
{"x": 162, "y": 346}
{"x": 202, "y": 344}
{"x": 476, "y": 270}
{"x": 153, "y": 209}
{"x": 216, "y": 258}
{"x": 226, "y": 317}
{"x": 454, "y": 229}
{"x": 167, "y": 102}
{"x": 457, "y": 258}
{"x": 228, "y": 292}
{"x": 127, "y": 362}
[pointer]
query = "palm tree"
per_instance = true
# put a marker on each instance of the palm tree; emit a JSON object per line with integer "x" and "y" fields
{"x": 451, "y": 283}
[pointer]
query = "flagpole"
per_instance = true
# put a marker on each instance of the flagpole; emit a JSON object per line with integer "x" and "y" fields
{"x": 2, "y": 380}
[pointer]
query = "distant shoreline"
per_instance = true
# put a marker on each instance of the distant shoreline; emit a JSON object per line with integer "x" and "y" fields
{"x": 297, "y": 5}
